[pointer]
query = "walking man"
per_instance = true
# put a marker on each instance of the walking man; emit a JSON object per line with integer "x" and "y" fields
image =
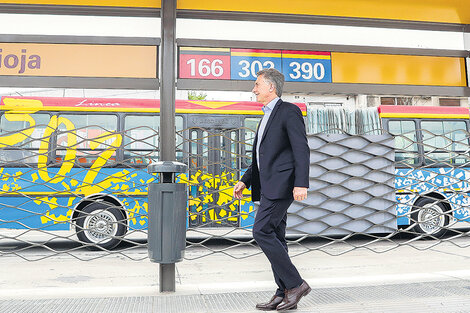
{"x": 278, "y": 175}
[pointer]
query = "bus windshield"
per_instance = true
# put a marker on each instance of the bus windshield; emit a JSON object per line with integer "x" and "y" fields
{"x": 337, "y": 120}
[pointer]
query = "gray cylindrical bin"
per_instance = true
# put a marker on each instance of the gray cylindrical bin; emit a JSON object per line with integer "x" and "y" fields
{"x": 167, "y": 214}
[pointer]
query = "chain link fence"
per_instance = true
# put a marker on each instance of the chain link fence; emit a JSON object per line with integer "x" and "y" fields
{"x": 76, "y": 185}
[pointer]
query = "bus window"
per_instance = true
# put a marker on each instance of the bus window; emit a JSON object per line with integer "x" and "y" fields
{"x": 229, "y": 151}
{"x": 251, "y": 124}
{"x": 405, "y": 142}
{"x": 90, "y": 135}
{"x": 179, "y": 138}
{"x": 334, "y": 120}
{"x": 445, "y": 142}
{"x": 199, "y": 149}
{"x": 235, "y": 140}
{"x": 141, "y": 135}
{"x": 193, "y": 161}
{"x": 21, "y": 136}
{"x": 141, "y": 139}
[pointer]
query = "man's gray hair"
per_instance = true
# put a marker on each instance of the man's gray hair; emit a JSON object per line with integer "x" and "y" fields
{"x": 274, "y": 77}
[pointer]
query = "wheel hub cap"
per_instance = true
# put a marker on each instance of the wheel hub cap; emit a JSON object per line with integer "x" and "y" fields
{"x": 431, "y": 219}
{"x": 100, "y": 226}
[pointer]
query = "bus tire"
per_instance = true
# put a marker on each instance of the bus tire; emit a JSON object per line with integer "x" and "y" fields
{"x": 430, "y": 217}
{"x": 100, "y": 225}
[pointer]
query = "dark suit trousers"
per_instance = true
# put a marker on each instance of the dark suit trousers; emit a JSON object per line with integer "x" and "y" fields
{"x": 269, "y": 231}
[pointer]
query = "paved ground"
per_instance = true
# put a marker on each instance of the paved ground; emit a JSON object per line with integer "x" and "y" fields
{"x": 444, "y": 296}
{"x": 404, "y": 279}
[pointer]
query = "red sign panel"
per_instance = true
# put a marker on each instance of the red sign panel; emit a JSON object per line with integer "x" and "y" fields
{"x": 204, "y": 63}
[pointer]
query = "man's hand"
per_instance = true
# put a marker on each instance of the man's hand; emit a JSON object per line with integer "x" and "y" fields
{"x": 300, "y": 193}
{"x": 238, "y": 190}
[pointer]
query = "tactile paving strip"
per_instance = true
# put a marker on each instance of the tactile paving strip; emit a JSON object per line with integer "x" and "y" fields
{"x": 430, "y": 297}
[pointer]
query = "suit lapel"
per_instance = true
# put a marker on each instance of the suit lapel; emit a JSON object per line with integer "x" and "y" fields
{"x": 255, "y": 142}
{"x": 271, "y": 117}
{"x": 256, "y": 136}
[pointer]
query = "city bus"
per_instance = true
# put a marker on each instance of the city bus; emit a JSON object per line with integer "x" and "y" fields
{"x": 74, "y": 163}
{"x": 432, "y": 159}
{"x": 81, "y": 164}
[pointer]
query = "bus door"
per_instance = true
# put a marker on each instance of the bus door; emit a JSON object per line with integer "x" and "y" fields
{"x": 214, "y": 144}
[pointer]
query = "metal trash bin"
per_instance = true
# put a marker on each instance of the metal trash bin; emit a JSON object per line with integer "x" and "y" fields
{"x": 167, "y": 213}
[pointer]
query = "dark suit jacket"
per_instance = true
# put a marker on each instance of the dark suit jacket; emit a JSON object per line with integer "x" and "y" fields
{"x": 284, "y": 155}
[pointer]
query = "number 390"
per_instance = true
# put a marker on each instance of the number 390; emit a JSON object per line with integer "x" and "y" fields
{"x": 306, "y": 70}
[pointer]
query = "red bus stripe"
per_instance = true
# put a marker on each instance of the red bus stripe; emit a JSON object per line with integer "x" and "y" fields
{"x": 406, "y": 109}
{"x": 128, "y": 105}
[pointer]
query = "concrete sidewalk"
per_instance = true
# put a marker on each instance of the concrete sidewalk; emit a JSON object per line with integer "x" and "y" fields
{"x": 444, "y": 296}
{"x": 403, "y": 279}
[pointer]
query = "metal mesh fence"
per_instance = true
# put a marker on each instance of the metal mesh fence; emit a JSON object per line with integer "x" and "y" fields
{"x": 78, "y": 186}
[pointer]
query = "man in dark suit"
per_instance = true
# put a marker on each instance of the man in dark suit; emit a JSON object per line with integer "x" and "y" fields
{"x": 278, "y": 175}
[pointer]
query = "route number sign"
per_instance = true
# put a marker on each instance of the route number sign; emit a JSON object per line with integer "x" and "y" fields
{"x": 243, "y": 64}
{"x": 204, "y": 63}
{"x": 247, "y": 62}
{"x": 306, "y": 66}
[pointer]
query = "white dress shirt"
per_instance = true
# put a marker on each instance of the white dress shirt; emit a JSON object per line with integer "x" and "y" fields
{"x": 267, "y": 109}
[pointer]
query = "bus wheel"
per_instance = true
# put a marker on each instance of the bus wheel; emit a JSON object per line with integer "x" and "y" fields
{"x": 102, "y": 224}
{"x": 430, "y": 217}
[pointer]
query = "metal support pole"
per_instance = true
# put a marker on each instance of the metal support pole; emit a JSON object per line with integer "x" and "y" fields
{"x": 168, "y": 77}
{"x": 466, "y": 46}
{"x": 167, "y": 110}
{"x": 167, "y": 277}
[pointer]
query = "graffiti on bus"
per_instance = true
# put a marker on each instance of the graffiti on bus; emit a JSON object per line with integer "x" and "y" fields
{"x": 451, "y": 183}
{"x": 55, "y": 191}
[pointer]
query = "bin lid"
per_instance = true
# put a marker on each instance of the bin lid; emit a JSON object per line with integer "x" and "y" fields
{"x": 167, "y": 167}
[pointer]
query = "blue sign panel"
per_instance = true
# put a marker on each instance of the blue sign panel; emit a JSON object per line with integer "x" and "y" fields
{"x": 306, "y": 66}
{"x": 245, "y": 63}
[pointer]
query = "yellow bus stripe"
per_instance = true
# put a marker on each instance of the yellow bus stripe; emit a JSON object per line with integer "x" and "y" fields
{"x": 204, "y": 111}
{"x": 133, "y": 110}
{"x": 77, "y": 109}
{"x": 247, "y": 112}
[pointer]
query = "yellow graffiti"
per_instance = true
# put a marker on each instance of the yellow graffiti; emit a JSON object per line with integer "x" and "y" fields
{"x": 70, "y": 202}
{"x": 137, "y": 213}
{"x": 12, "y": 103}
{"x": 206, "y": 187}
{"x": 71, "y": 152}
{"x": 144, "y": 216}
{"x": 118, "y": 179}
{"x": 48, "y": 216}
{"x": 89, "y": 186}
{"x": 56, "y": 219}
{"x": 13, "y": 139}
{"x": 210, "y": 198}
{"x": 12, "y": 186}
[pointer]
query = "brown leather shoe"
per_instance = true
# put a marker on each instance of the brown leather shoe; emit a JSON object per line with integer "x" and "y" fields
{"x": 293, "y": 296}
{"x": 271, "y": 305}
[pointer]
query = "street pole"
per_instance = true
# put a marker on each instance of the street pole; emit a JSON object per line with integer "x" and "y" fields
{"x": 167, "y": 110}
